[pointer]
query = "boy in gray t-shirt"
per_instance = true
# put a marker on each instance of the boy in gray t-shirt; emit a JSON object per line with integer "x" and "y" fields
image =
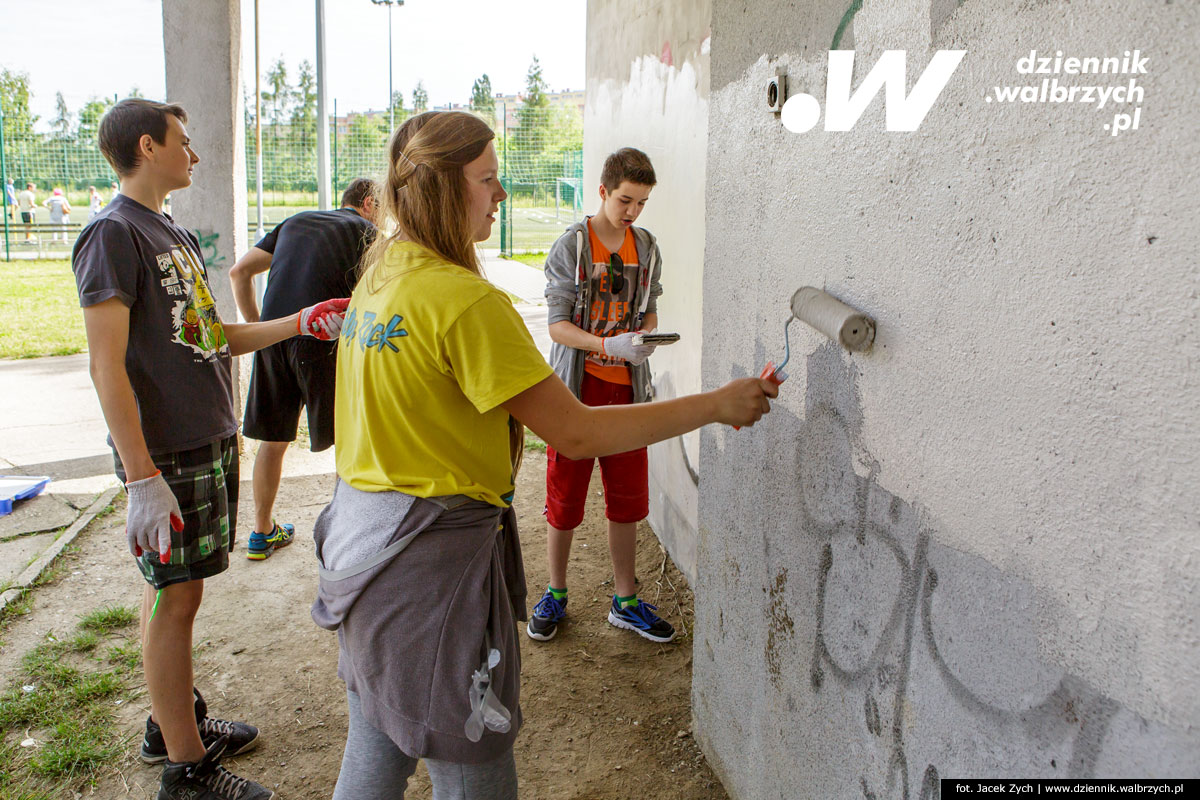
{"x": 161, "y": 361}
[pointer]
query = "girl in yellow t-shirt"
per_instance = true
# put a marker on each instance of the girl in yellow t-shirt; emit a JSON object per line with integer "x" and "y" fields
{"x": 419, "y": 558}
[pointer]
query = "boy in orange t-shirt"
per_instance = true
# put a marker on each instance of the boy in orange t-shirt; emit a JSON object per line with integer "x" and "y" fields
{"x": 602, "y": 288}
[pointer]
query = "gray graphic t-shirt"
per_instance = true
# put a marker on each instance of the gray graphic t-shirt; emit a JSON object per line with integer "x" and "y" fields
{"x": 177, "y": 358}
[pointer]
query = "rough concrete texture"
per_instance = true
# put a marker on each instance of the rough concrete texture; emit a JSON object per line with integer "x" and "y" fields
{"x": 17, "y": 553}
{"x": 647, "y": 87}
{"x": 45, "y": 512}
{"x": 973, "y": 550}
{"x": 203, "y": 44}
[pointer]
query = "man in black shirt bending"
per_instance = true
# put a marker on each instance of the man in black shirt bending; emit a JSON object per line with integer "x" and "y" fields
{"x": 310, "y": 254}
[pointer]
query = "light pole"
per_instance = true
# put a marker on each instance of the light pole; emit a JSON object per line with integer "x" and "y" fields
{"x": 322, "y": 115}
{"x": 391, "y": 103}
{"x": 4, "y": 185}
{"x": 258, "y": 186}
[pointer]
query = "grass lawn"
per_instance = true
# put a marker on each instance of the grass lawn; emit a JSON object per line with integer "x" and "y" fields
{"x": 529, "y": 259}
{"x": 59, "y": 707}
{"x": 39, "y": 310}
{"x": 39, "y": 307}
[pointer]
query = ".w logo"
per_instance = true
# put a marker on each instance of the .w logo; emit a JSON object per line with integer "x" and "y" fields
{"x": 843, "y": 107}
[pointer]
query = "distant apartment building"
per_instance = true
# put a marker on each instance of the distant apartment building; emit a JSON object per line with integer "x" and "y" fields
{"x": 342, "y": 123}
{"x": 507, "y": 104}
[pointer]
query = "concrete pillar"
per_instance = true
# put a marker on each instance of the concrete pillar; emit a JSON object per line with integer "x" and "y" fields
{"x": 203, "y": 44}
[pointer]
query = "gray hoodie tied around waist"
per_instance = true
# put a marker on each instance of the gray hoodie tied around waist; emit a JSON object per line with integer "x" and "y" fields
{"x": 420, "y": 613}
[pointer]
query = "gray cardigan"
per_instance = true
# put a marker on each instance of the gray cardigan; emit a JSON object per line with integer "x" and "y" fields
{"x": 569, "y": 297}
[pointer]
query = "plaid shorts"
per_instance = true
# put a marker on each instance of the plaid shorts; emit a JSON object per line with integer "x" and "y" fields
{"x": 205, "y": 482}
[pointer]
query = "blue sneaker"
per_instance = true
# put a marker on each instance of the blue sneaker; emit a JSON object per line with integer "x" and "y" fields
{"x": 642, "y": 620}
{"x": 263, "y": 544}
{"x": 546, "y": 616}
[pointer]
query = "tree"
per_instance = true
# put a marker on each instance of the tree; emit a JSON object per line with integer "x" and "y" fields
{"x": 135, "y": 92}
{"x": 420, "y": 98}
{"x": 14, "y": 98}
{"x": 61, "y": 124}
{"x": 535, "y": 86}
{"x": 248, "y": 111}
{"x": 530, "y": 138}
{"x": 89, "y": 118}
{"x": 397, "y": 108}
{"x": 366, "y": 134}
{"x": 483, "y": 102}
{"x": 279, "y": 96}
{"x": 304, "y": 116}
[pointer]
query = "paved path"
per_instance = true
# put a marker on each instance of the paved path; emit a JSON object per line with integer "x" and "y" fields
{"x": 526, "y": 282}
{"x": 50, "y": 424}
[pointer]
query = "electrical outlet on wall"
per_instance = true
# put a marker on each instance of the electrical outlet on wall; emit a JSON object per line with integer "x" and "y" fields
{"x": 777, "y": 91}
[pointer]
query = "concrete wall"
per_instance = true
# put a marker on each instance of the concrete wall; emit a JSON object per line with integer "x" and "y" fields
{"x": 203, "y": 44}
{"x": 974, "y": 550}
{"x": 647, "y": 87}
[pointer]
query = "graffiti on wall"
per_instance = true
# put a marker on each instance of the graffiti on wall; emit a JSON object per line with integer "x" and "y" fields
{"x": 939, "y": 12}
{"x": 210, "y": 249}
{"x": 909, "y": 623}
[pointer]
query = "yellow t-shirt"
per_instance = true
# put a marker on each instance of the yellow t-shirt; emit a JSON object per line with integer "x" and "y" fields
{"x": 424, "y": 364}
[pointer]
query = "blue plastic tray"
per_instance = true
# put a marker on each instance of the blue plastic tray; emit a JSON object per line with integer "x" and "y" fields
{"x": 19, "y": 487}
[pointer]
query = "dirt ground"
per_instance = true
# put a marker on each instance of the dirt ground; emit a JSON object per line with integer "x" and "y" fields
{"x": 606, "y": 712}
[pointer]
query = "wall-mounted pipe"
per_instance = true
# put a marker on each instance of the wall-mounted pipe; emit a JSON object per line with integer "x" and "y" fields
{"x": 848, "y": 327}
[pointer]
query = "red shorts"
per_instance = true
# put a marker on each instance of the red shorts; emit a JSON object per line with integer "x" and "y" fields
{"x": 626, "y": 486}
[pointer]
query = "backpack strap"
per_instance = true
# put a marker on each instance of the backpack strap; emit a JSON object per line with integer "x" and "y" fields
{"x": 642, "y": 236}
{"x": 579, "y": 276}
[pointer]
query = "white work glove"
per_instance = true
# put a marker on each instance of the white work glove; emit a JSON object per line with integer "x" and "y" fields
{"x": 622, "y": 347}
{"x": 153, "y": 512}
{"x": 324, "y": 320}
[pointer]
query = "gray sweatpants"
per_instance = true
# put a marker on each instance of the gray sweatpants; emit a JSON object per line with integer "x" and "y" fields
{"x": 373, "y": 768}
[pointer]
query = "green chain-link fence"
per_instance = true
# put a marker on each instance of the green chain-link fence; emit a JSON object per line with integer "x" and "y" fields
{"x": 541, "y": 161}
{"x": 540, "y": 152}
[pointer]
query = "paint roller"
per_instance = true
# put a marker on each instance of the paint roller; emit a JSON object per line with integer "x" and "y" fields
{"x": 849, "y": 327}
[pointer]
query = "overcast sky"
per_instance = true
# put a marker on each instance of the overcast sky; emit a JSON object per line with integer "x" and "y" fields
{"x": 87, "y": 48}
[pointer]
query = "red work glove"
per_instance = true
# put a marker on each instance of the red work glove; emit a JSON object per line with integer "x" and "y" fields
{"x": 324, "y": 320}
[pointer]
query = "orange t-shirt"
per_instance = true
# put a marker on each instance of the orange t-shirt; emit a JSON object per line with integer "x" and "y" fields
{"x": 611, "y": 314}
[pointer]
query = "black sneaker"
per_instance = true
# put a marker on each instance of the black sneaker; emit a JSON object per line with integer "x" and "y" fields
{"x": 206, "y": 779}
{"x": 242, "y": 737}
{"x": 642, "y": 620}
{"x": 548, "y": 612}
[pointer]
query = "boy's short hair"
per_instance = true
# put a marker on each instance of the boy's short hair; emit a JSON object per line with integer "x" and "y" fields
{"x": 358, "y": 191}
{"x": 124, "y": 125}
{"x": 627, "y": 164}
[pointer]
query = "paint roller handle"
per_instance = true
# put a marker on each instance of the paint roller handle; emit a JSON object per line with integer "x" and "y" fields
{"x": 769, "y": 373}
{"x": 775, "y": 377}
